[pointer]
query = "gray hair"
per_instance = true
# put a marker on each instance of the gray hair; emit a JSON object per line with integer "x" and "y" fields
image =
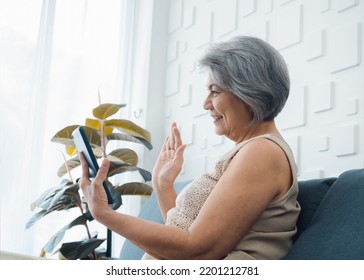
{"x": 252, "y": 70}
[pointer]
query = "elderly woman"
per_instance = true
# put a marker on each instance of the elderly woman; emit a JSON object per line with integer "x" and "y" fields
{"x": 244, "y": 209}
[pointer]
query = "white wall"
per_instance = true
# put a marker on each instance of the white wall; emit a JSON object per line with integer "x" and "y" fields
{"x": 322, "y": 42}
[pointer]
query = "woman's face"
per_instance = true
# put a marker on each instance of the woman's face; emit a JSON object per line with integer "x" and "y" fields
{"x": 230, "y": 115}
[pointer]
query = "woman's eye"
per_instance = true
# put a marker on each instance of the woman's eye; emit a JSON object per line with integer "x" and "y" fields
{"x": 214, "y": 93}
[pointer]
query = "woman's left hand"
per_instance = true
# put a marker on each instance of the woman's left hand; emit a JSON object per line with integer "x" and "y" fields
{"x": 170, "y": 160}
{"x": 93, "y": 191}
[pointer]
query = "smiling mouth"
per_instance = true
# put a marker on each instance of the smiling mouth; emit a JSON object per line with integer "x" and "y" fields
{"x": 217, "y": 118}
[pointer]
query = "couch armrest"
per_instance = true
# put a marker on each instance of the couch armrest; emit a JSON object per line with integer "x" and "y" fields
{"x": 336, "y": 229}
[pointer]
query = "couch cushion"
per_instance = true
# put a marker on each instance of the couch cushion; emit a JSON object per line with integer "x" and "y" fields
{"x": 337, "y": 228}
{"x": 311, "y": 192}
{"x": 150, "y": 212}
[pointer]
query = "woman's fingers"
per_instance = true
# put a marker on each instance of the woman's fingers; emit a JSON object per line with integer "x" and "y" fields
{"x": 100, "y": 176}
{"x": 165, "y": 146}
{"x": 102, "y": 173}
{"x": 177, "y": 137}
{"x": 173, "y": 141}
{"x": 179, "y": 152}
{"x": 171, "y": 138}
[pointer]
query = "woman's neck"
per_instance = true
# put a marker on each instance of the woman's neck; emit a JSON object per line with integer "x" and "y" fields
{"x": 267, "y": 127}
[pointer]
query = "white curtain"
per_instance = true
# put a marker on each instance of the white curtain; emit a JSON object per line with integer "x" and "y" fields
{"x": 56, "y": 59}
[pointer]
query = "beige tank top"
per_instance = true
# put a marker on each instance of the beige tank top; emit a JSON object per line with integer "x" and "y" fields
{"x": 271, "y": 236}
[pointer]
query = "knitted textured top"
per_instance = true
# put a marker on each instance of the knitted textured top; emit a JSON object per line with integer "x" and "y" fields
{"x": 271, "y": 236}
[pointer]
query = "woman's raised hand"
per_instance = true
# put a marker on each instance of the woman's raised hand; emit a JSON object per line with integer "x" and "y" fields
{"x": 170, "y": 160}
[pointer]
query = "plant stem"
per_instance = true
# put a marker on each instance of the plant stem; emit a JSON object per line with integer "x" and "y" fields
{"x": 67, "y": 167}
{"x": 79, "y": 204}
{"x": 86, "y": 225}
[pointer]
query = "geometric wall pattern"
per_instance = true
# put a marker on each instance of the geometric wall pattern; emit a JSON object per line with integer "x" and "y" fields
{"x": 322, "y": 42}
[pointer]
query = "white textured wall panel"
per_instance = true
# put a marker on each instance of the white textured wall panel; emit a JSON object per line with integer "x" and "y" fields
{"x": 342, "y": 5}
{"x": 323, "y": 144}
{"x": 315, "y": 173}
{"x": 203, "y": 29}
{"x": 294, "y": 113}
{"x": 294, "y": 142}
{"x": 323, "y": 94}
{"x": 322, "y": 43}
{"x": 189, "y": 14}
{"x": 249, "y": 7}
{"x": 216, "y": 140}
{"x": 175, "y": 15}
{"x": 187, "y": 129}
{"x": 225, "y": 22}
{"x": 258, "y": 29}
{"x": 289, "y": 26}
{"x": 284, "y": 2}
{"x": 324, "y": 5}
{"x": 345, "y": 140}
{"x": 185, "y": 98}
{"x": 173, "y": 79}
{"x": 198, "y": 97}
{"x": 345, "y": 47}
{"x": 194, "y": 166}
{"x": 266, "y": 6}
{"x": 172, "y": 51}
{"x": 315, "y": 45}
{"x": 352, "y": 107}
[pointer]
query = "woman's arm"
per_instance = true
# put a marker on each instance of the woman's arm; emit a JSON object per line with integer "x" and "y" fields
{"x": 253, "y": 179}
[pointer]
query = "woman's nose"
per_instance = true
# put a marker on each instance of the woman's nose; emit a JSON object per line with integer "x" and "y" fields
{"x": 207, "y": 104}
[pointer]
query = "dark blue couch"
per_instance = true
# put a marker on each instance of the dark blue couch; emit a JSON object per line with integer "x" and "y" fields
{"x": 330, "y": 225}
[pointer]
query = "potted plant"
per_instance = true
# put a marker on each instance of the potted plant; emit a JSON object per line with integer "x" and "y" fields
{"x": 100, "y": 131}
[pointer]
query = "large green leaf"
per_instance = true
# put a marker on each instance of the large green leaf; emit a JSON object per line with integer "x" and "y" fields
{"x": 80, "y": 249}
{"x": 48, "y": 193}
{"x": 63, "y": 203}
{"x": 96, "y": 124}
{"x": 147, "y": 176}
{"x": 114, "y": 157}
{"x": 145, "y": 142}
{"x": 115, "y": 196}
{"x": 129, "y": 138}
{"x": 124, "y": 155}
{"x": 72, "y": 163}
{"x": 45, "y": 199}
{"x": 106, "y": 110}
{"x": 118, "y": 158}
{"x": 58, "y": 236}
{"x": 93, "y": 136}
{"x": 71, "y": 150}
{"x": 58, "y": 197}
{"x": 130, "y": 128}
{"x": 35, "y": 218}
{"x": 134, "y": 188}
{"x": 118, "y": 168}
{"x": 115, "y": 166}
{"x": 64, "y": 136}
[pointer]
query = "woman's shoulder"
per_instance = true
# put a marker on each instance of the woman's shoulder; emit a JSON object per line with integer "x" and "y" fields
{"x": 261, "y": 148}
{"x": 265, "y": 144}
{"x": 272, "y": 158}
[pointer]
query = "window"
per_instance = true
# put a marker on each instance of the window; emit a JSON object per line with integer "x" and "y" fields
{"x": 57, "y": 58}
